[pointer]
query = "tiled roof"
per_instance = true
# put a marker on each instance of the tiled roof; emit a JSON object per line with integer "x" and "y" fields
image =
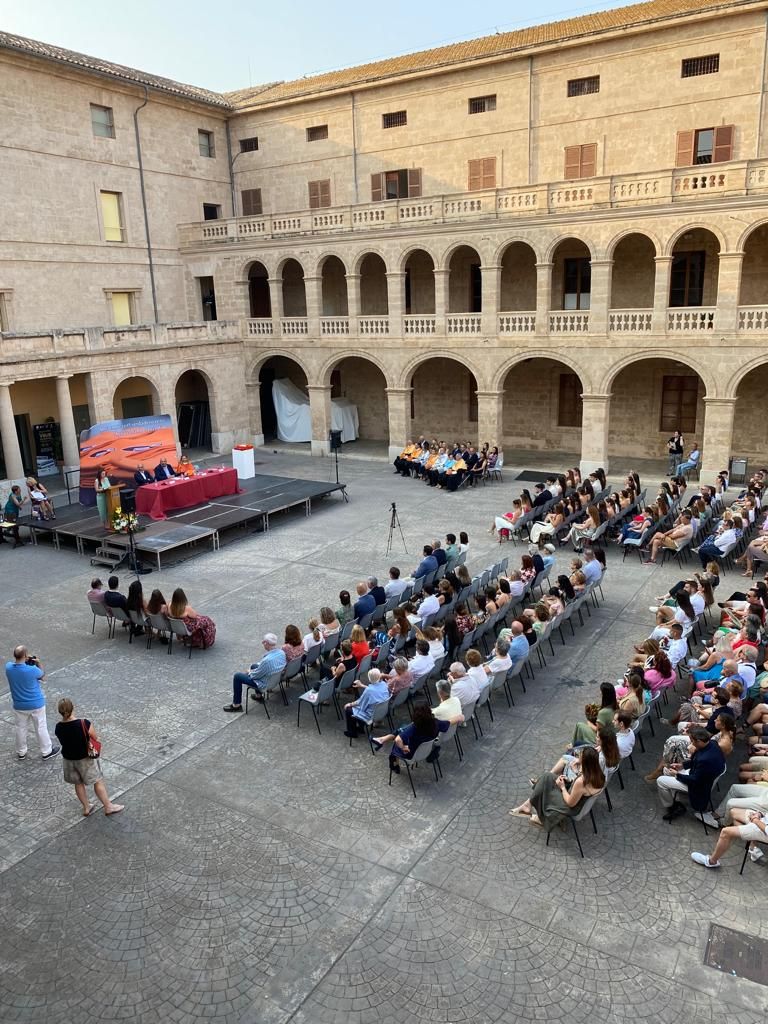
{"x": 80, "y": 60}
{"x": 488, "y": 46}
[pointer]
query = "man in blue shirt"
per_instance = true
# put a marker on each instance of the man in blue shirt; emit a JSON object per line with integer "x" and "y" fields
{"x": 361, "y": 710}
{"x": 426, "y": 565}
{"x": 24, "y": 675}
{"x": 274, "y": 660}
{"x": 692, "y": 461}
{"x": 591, "y": 567}
{"x": 365, "y": 603}
{"x": 518, "y": 645}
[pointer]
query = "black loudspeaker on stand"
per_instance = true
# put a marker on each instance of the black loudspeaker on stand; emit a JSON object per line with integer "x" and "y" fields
{"x": 334, "y": 436}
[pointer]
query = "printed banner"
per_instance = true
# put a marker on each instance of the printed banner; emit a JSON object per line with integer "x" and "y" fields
{"x": 120, "y": 446}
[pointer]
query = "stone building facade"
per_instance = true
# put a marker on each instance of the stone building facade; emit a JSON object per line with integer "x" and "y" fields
{"x": 553, "y": 238}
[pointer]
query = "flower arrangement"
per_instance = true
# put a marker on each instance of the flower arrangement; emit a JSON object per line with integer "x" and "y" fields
{"x": 124, "y": 522}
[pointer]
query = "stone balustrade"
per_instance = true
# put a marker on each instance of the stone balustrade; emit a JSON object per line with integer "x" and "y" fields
{"x": 630, "y": 321}
{"x": 82, "y": 340}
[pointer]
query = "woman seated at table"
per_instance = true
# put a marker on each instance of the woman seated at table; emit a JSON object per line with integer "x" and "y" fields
{"x": 184, "y": 467}
{"x": 554, "y": 799}
{"x": 202, "y": 629}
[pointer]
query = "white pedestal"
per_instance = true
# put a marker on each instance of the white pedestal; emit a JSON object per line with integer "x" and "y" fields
{"x": 242, "y": 461}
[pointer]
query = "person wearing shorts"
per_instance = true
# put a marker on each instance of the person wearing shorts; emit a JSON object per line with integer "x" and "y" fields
{"x": 80, "y": 770}
{"x": 751, "y": 826}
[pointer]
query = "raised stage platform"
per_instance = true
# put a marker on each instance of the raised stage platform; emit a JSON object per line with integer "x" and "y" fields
{"x": 261, "y": 498}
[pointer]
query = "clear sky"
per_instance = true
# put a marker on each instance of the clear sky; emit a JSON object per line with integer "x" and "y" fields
{"x": 230, "y": 44}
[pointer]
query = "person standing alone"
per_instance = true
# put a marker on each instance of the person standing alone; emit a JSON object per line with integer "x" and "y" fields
{"x": 675, "y": 449}
{"x": 80, "y": 769}
{"x": 24, "y": 675}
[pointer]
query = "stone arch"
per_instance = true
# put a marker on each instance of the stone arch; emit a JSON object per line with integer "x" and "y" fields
{"x": 748, "y": 231}
{"x": 283, "y": 366}
{"x": 502, "y": 371}
{"x": 541, "y": 401}
{"x": 360, "y": 378}
{"x": 333, "y": 285}
{"x": 292, "y": 277}
{"x": 465, "y": 285}
{"x": 407, "y": 253}
{"x": 571, "y": 276}
{"x": 373, "y": 286}
{"x": 245, "y": 265}
{"x": 730, "y": 389}
{"x": 407, "y": 372}
{"x": 501, "y": 249}
{"x": 444, "y": 262}
{"x": 134, "y": 394}
{"x": 555, "y": 244}
{"x": 444, "y": 401}
{"x": 753, "y": 284}
{"x": 633, "y": 275}
{"x": 259, "y": 296}
{"x": 610, "y": 249}
{"x": 280, "y": 265}
{"x": 748, "y": 385}
{"x": 604, "y": 385}
{"x": 355, "y": 262}
{"x": 518, "y": 278}
{"x": 195, "y": 411}
{"x": 264, "y": 357}
{"x": 323, "y": 258}
{"x": 324, "y": 374}
{"x": 419, "y": 281}
{"x": 669, "y": 246}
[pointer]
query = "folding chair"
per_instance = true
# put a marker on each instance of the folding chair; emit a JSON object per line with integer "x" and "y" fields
{"x": 419, "y": 756}
{"x": 316, "y": 699}
{"x": 585, "y": 810}
{"x": 178, "y": 628}
{"x": 158, "y": 623}
{"x": 378, "y": 714}
{"x": 100, "y": 610}
{"x": 271, "y": 683}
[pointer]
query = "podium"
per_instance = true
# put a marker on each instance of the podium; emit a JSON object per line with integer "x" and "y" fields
{"x": 243, "y": 462}
{"x": 112, "y": 495}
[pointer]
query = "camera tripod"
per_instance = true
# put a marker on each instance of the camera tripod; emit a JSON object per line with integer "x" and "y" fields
{"x": 395, "y": 522}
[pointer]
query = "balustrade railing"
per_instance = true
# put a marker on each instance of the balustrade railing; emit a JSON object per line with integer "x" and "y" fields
{"x": 420, "y": 324}
{"x": 630, "y": 320}
{"x": 373, "y": 325}
{"x": 334, "y": 325}
{"x": 463, "y": 323}
{"x": 294, "y": 325}
{"x": 568, "y": 322}
{"x": 260, "y": 326}
{"x": 517, "y": 323}
{"x": 691, "y": 318}
{"x": 753, "y": 318}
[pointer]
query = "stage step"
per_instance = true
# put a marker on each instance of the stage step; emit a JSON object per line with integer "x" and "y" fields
{"x": 106, "y": 555}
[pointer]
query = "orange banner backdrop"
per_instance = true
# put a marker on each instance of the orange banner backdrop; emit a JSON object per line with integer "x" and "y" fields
{"x": 120, "y": 446}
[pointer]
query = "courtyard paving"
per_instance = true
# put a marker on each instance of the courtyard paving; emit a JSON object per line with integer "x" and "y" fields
{"x": 262, "y": 874}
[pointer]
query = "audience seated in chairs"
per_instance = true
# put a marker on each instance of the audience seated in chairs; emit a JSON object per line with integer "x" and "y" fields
{"x": 272, "y": 662}
{"x": 202, "y": 628}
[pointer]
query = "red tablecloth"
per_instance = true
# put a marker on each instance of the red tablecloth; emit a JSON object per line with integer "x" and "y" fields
{"x": 154, "y": 500}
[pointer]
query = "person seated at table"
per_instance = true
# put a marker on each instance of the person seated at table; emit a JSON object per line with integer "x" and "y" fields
{"x": 408, "y": 738}
{"x": 142, "y": 476}
{"x": 202, "y": 628}
{"x": 184, "y": 467}
{"x": 163, "y": 471}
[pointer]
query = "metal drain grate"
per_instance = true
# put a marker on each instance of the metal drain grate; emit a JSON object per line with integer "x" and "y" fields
{"x": 737, "y": 953}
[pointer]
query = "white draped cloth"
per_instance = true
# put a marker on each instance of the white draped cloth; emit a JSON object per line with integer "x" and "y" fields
{"x": 294, "y": 420}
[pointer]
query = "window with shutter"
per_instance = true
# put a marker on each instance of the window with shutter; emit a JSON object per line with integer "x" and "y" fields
{"x": 402, "y": 184}
{"x": 581, "y": 161}
{"x": 686, "y": 283}
{"x": 377, "y": 188}
{"x": 414, "y": 182}
{"x": 679, "y": 398}
{"x": 572, "y": 162}
{"x": 569, "y": 403}
{"x": 482, "y": 173}
{"x": 723, "y": 143}
{"x": 686, "y": 142}
{"x": 319, "y": 194}
{"x": 111, "y": 216}
{"x": 251, "y": 200}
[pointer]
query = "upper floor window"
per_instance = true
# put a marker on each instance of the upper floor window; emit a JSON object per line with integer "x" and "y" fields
{"x": 584, "y": 86}
{"x": 580, "y": 161}
{"x": 705, "y": 145}
{"x": 482, "y": 173}
{"x": 205, "y": 143}
{"x": 679, "y": 399}
{"x": 686, "y": 283}
{"x": 249, "y": 145}
{"x": 251, "y": 201}
{"x": 693, "y": 66}
{"x": 122, "y": 307}
{"x": 112, "y": 216}
{"x": 317, "y": 133}
{"x": 569, "y": 402}
{"x": 319, "y": 193}
{"x": 5, "y": 320}
{"x": 577, "y": 282}
{"x": 403, "y": 184}
{"x": 396, "y": 119}
{"x": 482, "y": 104}
{"x": 102, "y": 122}
{"x": 211, "y": 211}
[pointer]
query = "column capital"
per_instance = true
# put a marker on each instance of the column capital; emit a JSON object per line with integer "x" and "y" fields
{"x": 312, "y": 278}
{"x": 395, "y": 274}
{"x": 713, "y": 401}
{"x": 596, "y": 398}
{"x": 663, "y": 259}
{"x": 6, "y": 383}
{"x": 545, "y": 266}
{"x": 352, "y": 277}
{"x": 490, "y": 266}
{"x": 731, "y": 256}
{"x": 398, "y": 391}
{"x": 601, "y": 263}
{"x": 318, "y": 387}
{"x": 442, "y": 271}
{"x": 490, "y": 394}
{"x": 64, "y": 376}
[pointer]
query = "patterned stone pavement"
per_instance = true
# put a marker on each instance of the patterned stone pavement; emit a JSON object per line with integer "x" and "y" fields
{"x": 263, "y": 874}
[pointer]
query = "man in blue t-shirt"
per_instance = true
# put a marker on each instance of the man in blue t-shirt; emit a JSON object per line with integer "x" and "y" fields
{"x": 24, "y": 676}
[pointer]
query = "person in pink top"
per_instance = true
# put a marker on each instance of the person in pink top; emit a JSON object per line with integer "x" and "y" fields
{"x": 660, "y": 675}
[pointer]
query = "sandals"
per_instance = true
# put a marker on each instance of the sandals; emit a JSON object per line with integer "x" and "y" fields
{"x": 517, "y": 813}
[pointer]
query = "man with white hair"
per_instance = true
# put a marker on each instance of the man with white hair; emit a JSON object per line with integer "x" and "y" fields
{"x": 463, "y": 686}
{"x": 274, "y": 660}
{"x": 377, "y": 593}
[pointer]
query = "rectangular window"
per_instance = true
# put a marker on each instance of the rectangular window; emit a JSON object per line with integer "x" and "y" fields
{"x": 694, "y": 66}
{"x": 679, "y": 397}
{"x": 122, "y": 308}
{"x": 205, "y": 143}
{"x": 402, "y": 184}
{"x": 577, "y": 283}
{"x": 482, "y": 104}
{"x": 705, "y": 146}
{"x": 584, "y": 86}
{"x": 207, "y": 297}
{"x": 569, "y": 403}
{"x": 246, "y": 145}
{"x": 102, "y": 122}
{"x": 687, "y": 279}
{"x": 4, "y": 318}
{"x": 475, "y": 288}
{"x": 251, "y": 202}
{"x": 482, "y": 173}
{"x": 319, "y": 194}
{"x": 580, "y": 161}
{"x": 211, "y": 211}
{"x": 112, "y": 216}
{"x": 317, "y": 133}
{"x": 396, "y": 119}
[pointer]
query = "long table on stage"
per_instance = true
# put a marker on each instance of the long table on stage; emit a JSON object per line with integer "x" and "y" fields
{"x": 154, "y": 500}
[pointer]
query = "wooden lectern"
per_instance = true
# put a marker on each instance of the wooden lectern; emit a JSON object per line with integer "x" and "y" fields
{"x": 112, "y": 495}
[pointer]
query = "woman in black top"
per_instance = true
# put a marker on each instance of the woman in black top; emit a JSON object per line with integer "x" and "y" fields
{"x": 79, "y": 769}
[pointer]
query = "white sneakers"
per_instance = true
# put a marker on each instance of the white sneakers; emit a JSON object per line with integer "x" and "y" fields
{"x": 703, "y": 859}
{"x": 755, "y": 853}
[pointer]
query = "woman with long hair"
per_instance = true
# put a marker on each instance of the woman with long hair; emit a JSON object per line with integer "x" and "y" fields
{"x": 202, "y": 628}
{"x": 554, "y": 800}
{"x": 101, "y": 485}
{"x": 580, "y": 532}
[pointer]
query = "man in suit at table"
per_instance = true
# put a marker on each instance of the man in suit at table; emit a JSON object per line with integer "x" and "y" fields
{"x": 164, "y": 471}
{"x": 142, "y": 475}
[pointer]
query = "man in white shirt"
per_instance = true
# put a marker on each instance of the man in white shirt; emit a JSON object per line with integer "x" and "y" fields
{"x": 396, "y": 586}
{"x": 430, "y": 604}
{"x": 516, "y": 585}
{"x": 501, "y": 661}
{"x": 464, "y": 688}
{"x": 449, "y": 706}
{"x": 625, "y": 738}
{"x": 673, "y": 645}
{"x": 591, "y": 567}
{"x": 422, "y": 663}
{"x": 715, "y": 546}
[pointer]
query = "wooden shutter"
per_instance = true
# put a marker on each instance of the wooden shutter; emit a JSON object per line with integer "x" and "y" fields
{"x": 489, "y": 172}
{"x": 414, "y": 182}
{"x": 377, "y": 188}
{"x": 475, "y": 175}
{"x": 319, "y": 193}
{"x": 251, "y": 199}
{"x": 588, "y": 160}
{"x": 686, "y": 142}
{"x": 572, "y": 162}
{"x": 325, "y": 192}
{"x": 723, "y": 148}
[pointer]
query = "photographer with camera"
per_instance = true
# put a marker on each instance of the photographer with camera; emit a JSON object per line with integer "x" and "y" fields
{"x": 24, "y": 674}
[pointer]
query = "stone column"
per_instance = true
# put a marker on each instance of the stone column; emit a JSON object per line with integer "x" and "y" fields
{"x": 320, "y": 410}
{"x": 166, "y": 400}
{"x": 399, "y": 408}
{"x": 491, "y": 283}
{"x": 661, "y": 293}
{"x": 14, "y": 469}
{"x": 396, "y": 302}
{"x": 490, "y": 418}
{"x": 594, "y": 433}
{"x": 441, "y": 299}
{"x": 100, "y": 405}
{"x": 253, "y": 399}
{"x": 276, "y": 301}
{"x": 314, "y": 292}
{"x": 728, "y": 285}
{"x": 353, "y": 300}
{"x": 600, "y": 297}
{"x": 718, "y": 436}
{"x": 69, "y": 444}
{"x": 543, "y": 297}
